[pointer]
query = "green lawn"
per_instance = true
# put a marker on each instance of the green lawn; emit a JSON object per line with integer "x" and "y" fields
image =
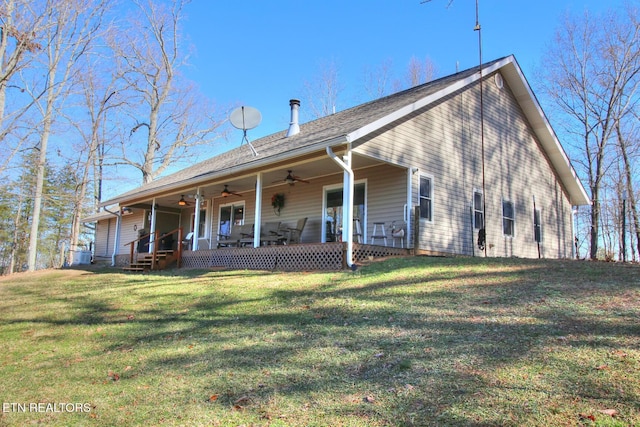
{"x": 415, "y": 341}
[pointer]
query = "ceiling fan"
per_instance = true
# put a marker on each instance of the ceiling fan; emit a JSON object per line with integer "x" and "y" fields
{"x": 226, "y": 192}
{"x": 183, "y": 202}
{"x": 292, "y": 179}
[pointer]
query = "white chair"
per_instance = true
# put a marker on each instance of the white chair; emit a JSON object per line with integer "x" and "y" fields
{"x": 186, "y": 242}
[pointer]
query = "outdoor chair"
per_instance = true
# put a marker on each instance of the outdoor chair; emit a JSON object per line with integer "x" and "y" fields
{"x": 203, "y": 243}
{"x": 238, "y": 232}
{"x": 270, "y": 233}
{"x": 296, "y": 233}
{"x": 186, "y": 242}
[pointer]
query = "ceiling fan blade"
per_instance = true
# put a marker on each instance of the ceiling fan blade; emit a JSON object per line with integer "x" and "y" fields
{"x": 297, "y": 178}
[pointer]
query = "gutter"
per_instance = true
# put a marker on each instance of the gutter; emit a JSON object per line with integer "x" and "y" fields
{"x": 347, "y": 222}
{"x": 116, "y": 240}
{"x": 208, "y": 177}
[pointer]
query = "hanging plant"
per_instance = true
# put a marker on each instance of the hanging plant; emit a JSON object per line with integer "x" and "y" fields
{"x": 277, "y": 201}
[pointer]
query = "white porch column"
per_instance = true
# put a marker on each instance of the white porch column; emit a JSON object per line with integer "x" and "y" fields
{"x": 258, "y": 214}
{"x": 409, "y": 207}
{"x": 196, "y": 221}
{"x": 116, "y": 239}
{"x": 347, "y": 200}
{"x": 153, "y": 226}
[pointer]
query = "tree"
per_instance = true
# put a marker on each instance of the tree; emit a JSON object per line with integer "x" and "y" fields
{"x": 162, "y": 105}
{"x": 20, "y": 23}
{"x": 72, "y": 25}
{"x": 322, "y": 93}
{"x": 420, "y": 72}
{"x": 592, "y": 74}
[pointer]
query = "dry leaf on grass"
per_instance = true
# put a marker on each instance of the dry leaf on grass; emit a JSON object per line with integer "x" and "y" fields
{"x": 610, "y": 412}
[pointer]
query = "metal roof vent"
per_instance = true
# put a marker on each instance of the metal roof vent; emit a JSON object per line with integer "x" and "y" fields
{"x": 294, "y": 127}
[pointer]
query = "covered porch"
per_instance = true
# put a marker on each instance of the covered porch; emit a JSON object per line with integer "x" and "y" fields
{"x": 350, "y": 207}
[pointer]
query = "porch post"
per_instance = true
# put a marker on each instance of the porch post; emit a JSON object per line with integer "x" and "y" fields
{"x": 347, "y": 200}
{"x": 258, "y": 214}
{"x": 196, "y": 221}
{"x": 116, "y": 240}
{"x": 408, "y": 208}
{"x": 152, "y": 232}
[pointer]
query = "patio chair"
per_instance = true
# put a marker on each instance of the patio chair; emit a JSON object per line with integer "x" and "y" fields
{"x": 238, "y": 232}
{"x": 186, "y": 242}
{"x": 247, "y": 231}
{"x": 270, "y": 233}
{"x": 203, "y": 243}
{"x": 296, "y": 233}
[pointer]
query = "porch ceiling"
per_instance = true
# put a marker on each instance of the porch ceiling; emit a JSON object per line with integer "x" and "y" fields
{"x": 245, "y": 184}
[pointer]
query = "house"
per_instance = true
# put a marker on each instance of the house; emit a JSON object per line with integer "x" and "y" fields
{"x": 427, "y": 165}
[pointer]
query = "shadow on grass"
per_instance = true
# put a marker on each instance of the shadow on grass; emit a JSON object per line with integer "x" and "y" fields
{"x": 425, "y": 337}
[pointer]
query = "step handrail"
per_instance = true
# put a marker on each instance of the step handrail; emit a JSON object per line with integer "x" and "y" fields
{"x": 156, "y": 236}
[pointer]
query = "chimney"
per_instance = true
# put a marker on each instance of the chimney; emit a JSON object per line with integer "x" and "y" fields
{"x": 294, "y": 127}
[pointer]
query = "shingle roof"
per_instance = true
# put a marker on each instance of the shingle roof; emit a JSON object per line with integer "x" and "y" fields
{"x": 317, "y": 133}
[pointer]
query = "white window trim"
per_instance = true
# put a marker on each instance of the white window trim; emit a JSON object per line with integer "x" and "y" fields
{"x": 432, "y": 188}
{"x": 363, "y": 221}
{"x": 224, "y": 205}
{"x": 539, "y": 210}
{"x": 513, "y": 207}
{"x": 474, "y": 210}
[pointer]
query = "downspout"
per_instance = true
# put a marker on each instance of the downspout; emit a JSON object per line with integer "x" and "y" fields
{"x": 116, "y": 239}
{"x": 196, "y": 221}
{"x": 256, "y": 231}
{"x": 347, "y": 201}
{"x": 409, "y": 207}
{"x": 152, "y": 237}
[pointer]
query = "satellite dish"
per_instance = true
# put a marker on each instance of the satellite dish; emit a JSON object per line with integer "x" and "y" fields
{"x": 246, "y": 118}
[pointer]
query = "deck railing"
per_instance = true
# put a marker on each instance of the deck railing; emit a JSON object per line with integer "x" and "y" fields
{"x": 154, "y": 241}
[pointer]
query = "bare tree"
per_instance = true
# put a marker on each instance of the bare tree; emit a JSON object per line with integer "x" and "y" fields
{"x": 71, "y": 27}
{"x": 322, "y": 93}
{"x": 20, "y": 23}
{"x": 168, "y": 116}
{"x": 592, "y": 75}
{"x": 377, "y": 80}
{"x": 420, "y": 72}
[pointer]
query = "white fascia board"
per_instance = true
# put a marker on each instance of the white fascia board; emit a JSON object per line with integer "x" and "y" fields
{"x": 547, "y": 136}
{"x": 402, "y": 112}
{"x": 209, "y": 177}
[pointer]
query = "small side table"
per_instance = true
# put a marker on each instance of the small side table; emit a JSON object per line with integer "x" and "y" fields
{"x": 378, "y": 234}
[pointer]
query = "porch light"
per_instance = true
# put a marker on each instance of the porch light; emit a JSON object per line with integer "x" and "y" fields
{"x": 182, "y": 201}
{"x": 225, "y": 192}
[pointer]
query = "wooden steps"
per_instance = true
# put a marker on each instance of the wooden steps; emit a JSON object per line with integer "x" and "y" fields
{"x": 144, "y": 262}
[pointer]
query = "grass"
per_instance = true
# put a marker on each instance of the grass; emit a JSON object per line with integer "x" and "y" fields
{"x": 416, "y": 341}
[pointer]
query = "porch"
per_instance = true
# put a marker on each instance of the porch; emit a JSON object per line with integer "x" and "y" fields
{"x": 299, "y": 257}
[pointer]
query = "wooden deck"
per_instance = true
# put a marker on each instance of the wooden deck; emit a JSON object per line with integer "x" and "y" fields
{"x": 300, "y": 257}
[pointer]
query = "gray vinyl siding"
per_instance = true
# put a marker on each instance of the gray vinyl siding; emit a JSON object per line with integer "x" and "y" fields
{"x": 444, "y": 142}
{"x": 130, "y": 226}
{"x": 385, "y": 196}
{"x": 105, "y": 237}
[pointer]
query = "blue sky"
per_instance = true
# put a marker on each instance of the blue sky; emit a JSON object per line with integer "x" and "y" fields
{"x": 261, "y": 53}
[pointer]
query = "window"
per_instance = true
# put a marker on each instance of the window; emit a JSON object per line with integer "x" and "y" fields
{"x": 478, "y": 210}
{"x": 537, "y": 227}
{"x": 508, "y": 218}
{"x": 426, "y": 198}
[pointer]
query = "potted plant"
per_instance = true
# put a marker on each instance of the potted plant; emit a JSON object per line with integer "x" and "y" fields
{"x": 277, "y": 201}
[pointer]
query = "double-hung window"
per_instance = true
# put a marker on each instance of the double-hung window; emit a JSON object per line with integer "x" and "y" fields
{"x": 426, "y": 198}
{"x": 478, "y": 210}
{"x": 537, "y": 226}
{"x": 508, "y": 218}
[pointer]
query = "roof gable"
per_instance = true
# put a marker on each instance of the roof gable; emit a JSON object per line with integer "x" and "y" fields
{"x": 357, "y": 122}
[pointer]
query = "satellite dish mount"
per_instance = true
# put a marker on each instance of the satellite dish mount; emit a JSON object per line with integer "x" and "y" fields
{"x": 246, "y": 118}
